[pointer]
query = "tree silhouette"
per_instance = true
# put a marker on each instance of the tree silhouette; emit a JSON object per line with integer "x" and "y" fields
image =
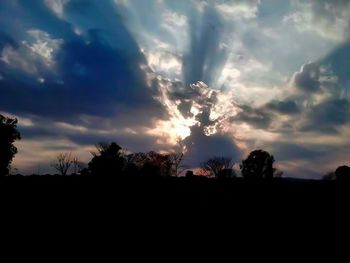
{"x": 152, "y": 164}
{"x": 108, "y": 161}
{"x": 189, "y": 174}
{"x": 160, "y": 163}
{"x": 219, "y": 167}
{"x": 176, "y": 159}
{"x": 77, "y": 165}
{"x": 63, "y": 163}
{"x": 330, "y": 176}
{"x": 258, "y": 165}
{"x": 343, "y": 173}
{"x": 137, "y": 159}
{"x": 8, "y": 135}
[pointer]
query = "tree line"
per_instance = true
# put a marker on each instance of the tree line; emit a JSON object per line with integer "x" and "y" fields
{"x": 110, "y": 159}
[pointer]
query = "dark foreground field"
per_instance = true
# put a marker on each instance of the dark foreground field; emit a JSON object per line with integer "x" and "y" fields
{"x": 148, "y": 211}
{"x": 190, "y": 194}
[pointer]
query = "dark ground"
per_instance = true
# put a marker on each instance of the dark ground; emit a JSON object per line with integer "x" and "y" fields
{"x": 170, "y": 194}
{"x": 156, "y": 212}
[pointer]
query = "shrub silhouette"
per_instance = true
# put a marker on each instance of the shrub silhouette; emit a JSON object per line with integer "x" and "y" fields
{"x": 343, "y": 173}
{"x": 161, "y": 162}
{"x": 150, "y": 170}
{"x": 8, "y": 135}
{"x": 258, "y": 165}
{"x": 189, "y": 174}
{"x": 227, "y": 173}
{"x": 109, "y": 160}
{"x": 152, "y": 164}
{"x": 219, "y": 167}
{"x": 330, "y": 176}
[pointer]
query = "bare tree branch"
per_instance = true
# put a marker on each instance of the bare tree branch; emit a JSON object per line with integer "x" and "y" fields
{"x": 63, "y": 163}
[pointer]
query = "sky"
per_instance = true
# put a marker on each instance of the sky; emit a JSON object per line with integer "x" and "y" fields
{"x": 224, "y": 76}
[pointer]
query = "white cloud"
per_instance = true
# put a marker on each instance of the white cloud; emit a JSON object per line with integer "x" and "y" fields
{"x": 57, "y": 6}
{"x": 174, "y": 19}
{"x": 44, "y": 46}
{"x": 33, "y": 56}
{"x": 165, "y": 63}
{"x": 235, "y": 10}
{"x": 17, "y": 59}
{"x": 329, "y": 19}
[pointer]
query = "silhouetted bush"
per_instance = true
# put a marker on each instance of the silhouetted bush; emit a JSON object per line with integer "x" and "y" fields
{"x": 8, "y": 135}
{"x": 227, "y": 174}
{"x": 189, "y": 174}
{"x": 152, "y": 162}
{"x": 330, "y": 176}
{"x": 219, "y": 167}
{"x": 343, "y": 173}
{"x": 150, "y": 170}
{"x": 258, "y": 165}
{"x": 131, "y": 170}
{"x": 109, "y": 160}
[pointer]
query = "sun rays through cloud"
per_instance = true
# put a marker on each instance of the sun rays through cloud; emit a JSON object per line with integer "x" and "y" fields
{"x": 223, "y": 76}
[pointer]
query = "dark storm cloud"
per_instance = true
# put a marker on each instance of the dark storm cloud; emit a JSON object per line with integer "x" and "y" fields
{"x": 129, "y": 141}
{"x": 6, "y": 40}
{"x": 328, "y": 116}
{"x": 95, "y": 90}
{"x": 289, "y": 151}
{"x": 185, "y": 108}
{"x": 16, "y": 17}
{"x": 339, "y": 60}
{"x": 92, "y": 77}
{"x": 307, "y": 79}
{"x": 205, "y": 56}
{"x": 257, "y": 117}
{"x": 202, "y": 147}
{"x": 283, "y": 107}
{"x": 43, "y": 129}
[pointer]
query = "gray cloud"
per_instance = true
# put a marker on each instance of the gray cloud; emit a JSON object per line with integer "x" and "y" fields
{"x": 288, "y": 151}
{"x": 327, "y": 116}
{"x": 205, "y": 56}
{"x": 257, "y": 117}
{"x": 307, "y": 79}
{"x": 339, "y": 59}
{"x": 283, "y": 107}
{"x": 98, "y": 89}
{"x": 202, "y": 147}
{"x": 328, "y": 18}
{"x": 90, "y": 77}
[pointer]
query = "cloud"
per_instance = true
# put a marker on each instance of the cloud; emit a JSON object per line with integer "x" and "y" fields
{"x": 222, "y": 75}
{"x": 328, "y": 18}
{"x": 308, "y": 78}
{"x": 234, "y": 10}
{"x": 201, "y": 147}
{"x": 205, "y": 56}
{"x": 6, "y": 40}
{"x": 258, "y": 118}
{"x": 283, "y": 107}
{"x": 44, "y": 46}
{"x": 327, "y": 116}
{"x": 57, "y": 6}
{"x": 287, "y": 151}
{"x": 92, "y": 79}
{"x": 91, "y": 76}
{"x": 74, "y": 88}
{"x": 338, "y": 59}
